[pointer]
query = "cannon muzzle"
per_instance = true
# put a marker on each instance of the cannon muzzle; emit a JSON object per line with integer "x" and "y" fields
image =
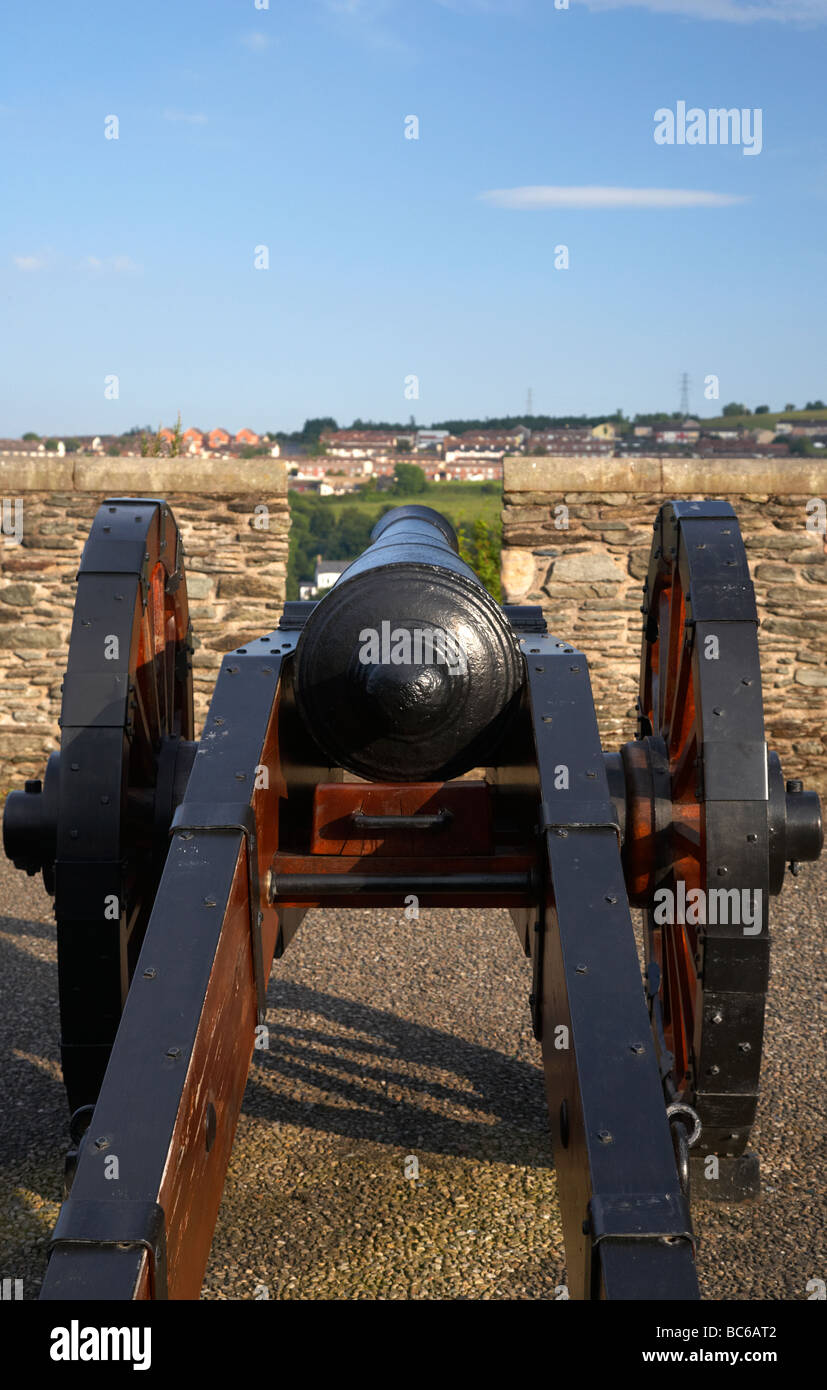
{"x": 408, "y": 669}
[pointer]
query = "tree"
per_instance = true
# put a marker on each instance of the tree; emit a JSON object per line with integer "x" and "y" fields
{"x": 762, "y": 410}
{"x": 152, "y": 446}
{"x": 481, "y": 551}
{"x": 789, "y": 406}
{"x": 408, "y": 478}
{"x": 72, "y": 445}
{"x": 177, "y": 436}
{"x": 802, "y": 447}
{"x": 815, "y": 405}
{"x": 313, "y": 428}
{"x": 735, "y": 408}
{"x": 51, "y": 445}
{"x": 29, "y": 435}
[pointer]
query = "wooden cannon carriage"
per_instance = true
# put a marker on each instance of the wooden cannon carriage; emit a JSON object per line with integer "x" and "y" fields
{"x": 181, "y": 868}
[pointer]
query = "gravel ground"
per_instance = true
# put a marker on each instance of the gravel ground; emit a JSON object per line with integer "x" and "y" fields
{"x": 400, "y": 1047}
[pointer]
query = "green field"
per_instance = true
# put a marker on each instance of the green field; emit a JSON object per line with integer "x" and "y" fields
{"x": 457, "y": 502}
{"x": 338, "y": 528}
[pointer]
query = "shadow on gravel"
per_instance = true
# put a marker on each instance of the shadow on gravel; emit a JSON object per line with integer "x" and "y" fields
{"x": 342, "y": 1067}
{"x": 34, "y": 1115}
{"x": 32, "y": 1099}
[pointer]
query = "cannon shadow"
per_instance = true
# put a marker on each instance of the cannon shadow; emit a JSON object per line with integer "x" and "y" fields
{"x": 337, "y": 1065}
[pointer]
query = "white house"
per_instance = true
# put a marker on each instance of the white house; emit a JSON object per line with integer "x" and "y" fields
{"x": 327, "y": 572}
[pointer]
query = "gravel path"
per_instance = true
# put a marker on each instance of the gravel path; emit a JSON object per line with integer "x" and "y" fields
{"x": 397, "y": 1047}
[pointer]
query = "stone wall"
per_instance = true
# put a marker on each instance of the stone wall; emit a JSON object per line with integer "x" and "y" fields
{"x": 589, "y": 576}
{"x": 236, "y": 573}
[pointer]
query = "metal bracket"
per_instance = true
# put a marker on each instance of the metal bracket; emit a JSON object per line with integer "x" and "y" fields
{"x": 639, "y": 1216}
{"x": 120, "y": 1222}
{"x": 226, "y": 818}
{"x": 565, "y": 825}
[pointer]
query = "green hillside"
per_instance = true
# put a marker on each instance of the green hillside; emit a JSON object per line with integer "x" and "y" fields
{"x": 761, "y": 422}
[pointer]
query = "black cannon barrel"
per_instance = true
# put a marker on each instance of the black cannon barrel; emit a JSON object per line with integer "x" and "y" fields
{"x": 408, "y": 670}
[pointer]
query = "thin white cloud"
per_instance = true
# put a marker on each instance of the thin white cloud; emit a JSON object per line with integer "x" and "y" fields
{"x": 539, "y": 196}
{"x": 730, "y": 11}
{"x": 256, "y": 41}
{"x": 120, "y": 265}
{"x": 482, "y": 6}
{"x": 358, "y": 9}
{"x": 367, "y": 19}
{"x": 30, "y": 262}
{"x": 189, "y": 117}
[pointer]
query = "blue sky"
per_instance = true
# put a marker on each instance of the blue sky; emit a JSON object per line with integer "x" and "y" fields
{"x": 284, "y": 127}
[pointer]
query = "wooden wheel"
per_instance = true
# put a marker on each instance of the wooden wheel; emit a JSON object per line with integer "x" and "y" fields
{"x": 699, "y": 823}
{"x": 99, "y": 825}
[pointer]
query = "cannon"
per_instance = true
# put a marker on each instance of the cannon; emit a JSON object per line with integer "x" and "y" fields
{"x": 407, "y": 735}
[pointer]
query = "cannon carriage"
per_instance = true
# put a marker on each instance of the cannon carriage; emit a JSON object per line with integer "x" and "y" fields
{"x": 406, "y": 735}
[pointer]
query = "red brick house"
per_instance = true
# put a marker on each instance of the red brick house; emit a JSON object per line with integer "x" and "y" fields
{"x": 193, "y": 438}
{"x": 218, "y": 439}
{"x": 246, "y": 437}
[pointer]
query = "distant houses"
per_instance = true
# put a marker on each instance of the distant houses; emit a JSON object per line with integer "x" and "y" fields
{"x": 346, "y": 458}
{"x": 193, "y": 441}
